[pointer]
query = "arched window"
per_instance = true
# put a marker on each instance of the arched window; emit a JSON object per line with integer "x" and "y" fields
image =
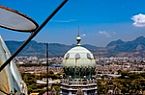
{"x": 89, "y": 56}
{"x": 77, "y": 56}
{"x": 67, "y": 56}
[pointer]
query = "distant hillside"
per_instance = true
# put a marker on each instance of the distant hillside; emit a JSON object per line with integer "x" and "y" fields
{"x": 119, "y": 46}
{"x": 38, "y": 49}
{"x": 115, "y": 48}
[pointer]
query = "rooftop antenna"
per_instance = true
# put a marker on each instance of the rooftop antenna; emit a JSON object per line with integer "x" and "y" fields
{"x": 47, "y": 67}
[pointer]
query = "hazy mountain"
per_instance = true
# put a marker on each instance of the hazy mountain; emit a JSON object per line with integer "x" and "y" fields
{"x": 115, "y": 48}
{"x": 39, "y": 49}
{"x": 119, "y": 46}
{"x": 115, "y": 44}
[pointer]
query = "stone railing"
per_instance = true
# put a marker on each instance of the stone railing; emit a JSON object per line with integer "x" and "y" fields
{"x": 79, "y": 82}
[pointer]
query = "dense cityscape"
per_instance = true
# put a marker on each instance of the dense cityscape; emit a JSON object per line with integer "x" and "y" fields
{"x": 114, "y": 75}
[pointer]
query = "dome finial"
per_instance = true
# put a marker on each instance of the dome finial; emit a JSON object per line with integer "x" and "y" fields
{"x": 78, "y": 38}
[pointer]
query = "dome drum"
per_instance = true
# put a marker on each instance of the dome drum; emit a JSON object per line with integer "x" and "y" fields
{"x": 79, "y": 72}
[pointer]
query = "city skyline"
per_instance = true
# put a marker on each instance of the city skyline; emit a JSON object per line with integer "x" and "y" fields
{"x": 99, "y": 21}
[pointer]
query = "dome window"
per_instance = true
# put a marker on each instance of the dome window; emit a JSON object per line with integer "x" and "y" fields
{"x": 77, "y": 56}
{"x": 67, "y": 56}
{"x": 89, "y": 56}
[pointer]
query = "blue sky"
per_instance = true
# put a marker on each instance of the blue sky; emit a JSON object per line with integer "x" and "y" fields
{"x": 99, "y": 21}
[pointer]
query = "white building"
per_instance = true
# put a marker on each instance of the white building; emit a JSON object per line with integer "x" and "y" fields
{"x": 79, "y": 68}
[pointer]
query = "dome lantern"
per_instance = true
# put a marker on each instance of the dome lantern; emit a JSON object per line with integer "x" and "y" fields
{"x": 78, "y": 38}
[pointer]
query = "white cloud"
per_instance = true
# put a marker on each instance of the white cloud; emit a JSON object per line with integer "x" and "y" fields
{"x": 104, "y": 33}
{"x": 64, "y": 21}
{"x": 83, "y": 35}
{"x": 139, "y": 20}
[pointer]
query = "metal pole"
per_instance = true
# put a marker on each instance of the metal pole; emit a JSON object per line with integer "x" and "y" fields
{"x": 47, "y": 65}
{"x": 32, "y": 35}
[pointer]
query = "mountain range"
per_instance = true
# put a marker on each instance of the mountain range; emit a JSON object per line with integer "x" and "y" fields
{"x": 135, "y": 47}
{"x": 35, "y": 48}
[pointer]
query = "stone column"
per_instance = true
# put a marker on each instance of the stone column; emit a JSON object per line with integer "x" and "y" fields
{"x": 70, "y": 93}
{"x": 60, "y": 92}
{"x": 85, "y": 93}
